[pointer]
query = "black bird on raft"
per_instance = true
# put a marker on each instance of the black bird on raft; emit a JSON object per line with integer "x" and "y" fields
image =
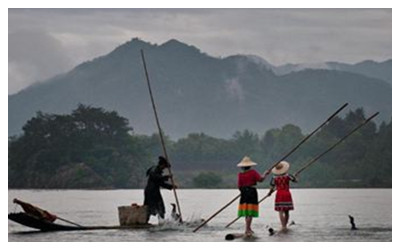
{"x": 353, "y": 224}
{"x": 174, "y": 214}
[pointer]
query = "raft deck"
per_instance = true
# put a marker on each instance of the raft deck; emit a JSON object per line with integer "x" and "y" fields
{"x": 46, "y": 226}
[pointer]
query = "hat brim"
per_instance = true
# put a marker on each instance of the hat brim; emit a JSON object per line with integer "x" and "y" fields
{"x": 283, "y": 170}
{"x": 250, "y": 164}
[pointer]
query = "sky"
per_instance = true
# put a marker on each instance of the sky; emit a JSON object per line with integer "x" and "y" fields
{"x": 45, "y": 42}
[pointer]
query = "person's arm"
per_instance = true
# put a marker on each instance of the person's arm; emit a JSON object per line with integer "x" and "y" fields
{"x": 167, "y": 185}
{"x": 271, "y": 190}
{"x": 293, "y": 178}
{"x": 164, "y": 183}
{"x": 161, "y": 180}
{"x": 258, "y": 177}
{"x": 266, "y": 173}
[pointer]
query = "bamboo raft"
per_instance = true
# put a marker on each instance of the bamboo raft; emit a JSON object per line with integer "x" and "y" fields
{"x": 47, "y": 226}
{"x": 37, "y": 218}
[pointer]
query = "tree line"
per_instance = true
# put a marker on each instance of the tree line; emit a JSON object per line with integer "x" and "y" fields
{"x": 95, "y": 148}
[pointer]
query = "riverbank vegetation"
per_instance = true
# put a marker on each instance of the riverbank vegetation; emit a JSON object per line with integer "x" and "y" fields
{"x": 95, "y": 148}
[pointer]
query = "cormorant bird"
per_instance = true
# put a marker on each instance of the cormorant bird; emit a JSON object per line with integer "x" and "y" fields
{"x": 270, "y": 230}
{"x": 353, "y": 225}
{"x": 174, "y": 214}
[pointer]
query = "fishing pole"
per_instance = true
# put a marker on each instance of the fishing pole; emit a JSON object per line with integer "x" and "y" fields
{"x": 319, "y": 156}
{"x": 276, "y": 163}
{"x": 161, "y": 135}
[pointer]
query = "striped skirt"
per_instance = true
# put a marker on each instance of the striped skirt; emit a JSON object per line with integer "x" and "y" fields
{"x": 283, "y": 201}
{"x": 248, "y": 205}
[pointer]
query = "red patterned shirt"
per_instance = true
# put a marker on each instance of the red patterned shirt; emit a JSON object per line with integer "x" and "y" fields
{"x": 248, "y": 178}
{"x": 281, "y": 182}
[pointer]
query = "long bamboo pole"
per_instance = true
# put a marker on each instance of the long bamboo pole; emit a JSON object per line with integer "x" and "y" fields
{"x": 68, "y": 221}
{"x": 276, "y": 163}
{"x": 237, "y": 218}
{"x": 309, "y": 135}
{"x": 161, "y": 135}
{"x": 215, "y": 214}
{"x": 318, "y": 157}
{"x": 334, "y": 145}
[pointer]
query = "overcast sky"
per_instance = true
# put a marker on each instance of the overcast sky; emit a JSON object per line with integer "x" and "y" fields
{"x": 46, "y": 42}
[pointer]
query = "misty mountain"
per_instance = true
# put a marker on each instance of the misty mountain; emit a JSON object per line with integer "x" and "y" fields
{"x": 369, "y": 68}
{"x": 291, "y": 67}
{"x": 379, "y": 70}
{"x": 195, "y": 92}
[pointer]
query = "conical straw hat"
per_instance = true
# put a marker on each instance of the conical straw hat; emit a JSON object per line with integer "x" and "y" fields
{"x": 246, "y": 162}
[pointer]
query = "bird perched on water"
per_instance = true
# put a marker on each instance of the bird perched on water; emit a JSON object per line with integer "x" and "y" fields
{"x": 174, "y": 214}
{"x": 270, "y": 230}
{"x": 353, "y": 225}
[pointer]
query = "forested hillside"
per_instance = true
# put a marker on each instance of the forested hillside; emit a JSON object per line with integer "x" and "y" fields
{"x": 95, "y": 148}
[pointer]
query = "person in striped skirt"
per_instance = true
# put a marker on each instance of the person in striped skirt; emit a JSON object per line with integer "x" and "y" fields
{"x": 283, "y": 199}
{"x": 247, "y": 181}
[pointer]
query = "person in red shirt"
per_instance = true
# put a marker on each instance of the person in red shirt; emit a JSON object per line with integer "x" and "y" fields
{"x": 283, "y": 198}
{"x": 247, "y": 181}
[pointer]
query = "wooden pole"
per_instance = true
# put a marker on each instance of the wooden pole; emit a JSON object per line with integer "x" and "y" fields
{"x": 308, "y": 136}
{"x": 161, "y": 135}
{"x": 283, "y": 158}
{"x": 215, "y": 214}
{"x": 334, "y": 145}
{"x": 237, "y": 218}
{"x": 230, "y": 223}
{"x": 73, "y": 223}
{"x": 319, "y": 156}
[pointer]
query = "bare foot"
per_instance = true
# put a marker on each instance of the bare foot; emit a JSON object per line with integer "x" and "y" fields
{"x": 283, "y": 230}
{"x": 248, "y": 233}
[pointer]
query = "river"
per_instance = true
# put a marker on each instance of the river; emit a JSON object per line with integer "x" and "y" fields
{"x": 320, "y": 215}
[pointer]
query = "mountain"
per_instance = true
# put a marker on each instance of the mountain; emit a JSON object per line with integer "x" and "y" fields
{"x": 369, "y": 68}
{"x": 290, "y": 67}
{"x": 195, "y": 92}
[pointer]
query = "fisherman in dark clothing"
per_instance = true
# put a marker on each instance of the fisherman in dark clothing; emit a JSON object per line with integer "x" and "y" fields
{"x": 152, "y": 194}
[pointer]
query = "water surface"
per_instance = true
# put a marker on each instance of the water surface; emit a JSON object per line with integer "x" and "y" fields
{"x": 320, "y": 215}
